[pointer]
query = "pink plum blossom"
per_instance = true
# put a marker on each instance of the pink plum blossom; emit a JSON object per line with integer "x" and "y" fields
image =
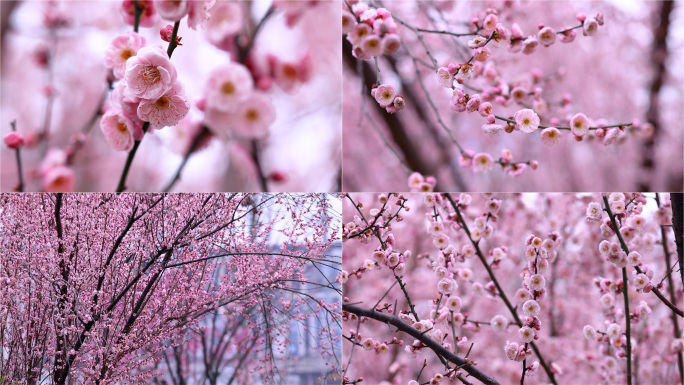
{"x": 579, "y": 124}
{"x": 546, "y": 36}
{"x": 526, "y": 120}
{"x": 590, "y": 27}
{"x": 123, "y": 47}
{"x": 228, "y": 86}
{"x": 254, "y": 117}
{"x": 148, "y": 15}
{"x": 482, "y": 162}
{"x": 482, "y": 54}
{"x": 371, "y": 45}
{"x": 149, "y": 74}
{"x": 198, "y": 12}
{"x": 550, "y": 136}
{"x": 59, "y": 179}
{"x": 384, "y": 95}
{"x": 14, "y": 140}
{"x": 225, "y": 22}
{"x": 167, "y": 110}
{"x": 172, "y": 10}
{"x": 390, "y": 43}
{"x": 120, "y": 131}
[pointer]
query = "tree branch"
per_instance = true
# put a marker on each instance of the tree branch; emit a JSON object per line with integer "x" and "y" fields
{"x": 422, "y": 337}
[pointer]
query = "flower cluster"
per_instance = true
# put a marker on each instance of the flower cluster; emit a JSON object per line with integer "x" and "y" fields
{"x": 148, "y": 92}
{"x": 539, "y": 254}
{"x": 387, "y": 97}
{"x": 233, "y": 105}
{"x": 419, "y": 183}
{"x": 525, "y": 120}
{"x": 483, "y": 162}
{"x": 621, "y": 215}
{"x": 371, "y": 31}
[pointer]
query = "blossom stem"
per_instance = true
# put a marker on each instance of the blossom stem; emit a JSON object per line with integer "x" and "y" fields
{"x": 377, "y": 70}
{"x": 78, "y": 144}
{"x": 129, "y": 161}
{"x": 193, "y": 147}
{"x": 173, "y": 43}
{"x": 243, "y": 53}
{"x": 522, "y": 377}
{"x": 453, "y": 335}
{"x": 20, "y": 186}
{"x": 263, "y": 185}
{"x": 137, "y": 12}
{"x": 442, "y": 32}
{"x": 501, "y": 293}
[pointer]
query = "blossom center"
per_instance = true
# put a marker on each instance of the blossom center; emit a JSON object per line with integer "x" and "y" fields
{"x": 289, "y": 71}
{"x": 526, "y": 121}
{"x": 228, "y": 88}
{"x": 126, "y": 54}
{"x": 252, "y": 115}
{"x": 121, "y": 127}
{"x": 151, "y": 75}
{"x": 162, "y": 103}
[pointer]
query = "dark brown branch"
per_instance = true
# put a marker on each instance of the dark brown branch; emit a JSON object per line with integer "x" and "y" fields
{"x": 659, "y": 54}
{"x": 395, "y": 126}
{"x": 422, "y": 337}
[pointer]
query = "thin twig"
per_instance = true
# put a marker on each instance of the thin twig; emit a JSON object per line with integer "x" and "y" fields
{"x": 20, "y": 186}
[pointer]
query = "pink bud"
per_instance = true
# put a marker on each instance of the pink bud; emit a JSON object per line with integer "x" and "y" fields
{"x": 278, "y": 176}
{"x": 581, "y": 17}
{"x": 201, "y": 104}
{"x": 264, "y": 83}
{"x": 14, "y": 140}
{"x": 167, "y": 32}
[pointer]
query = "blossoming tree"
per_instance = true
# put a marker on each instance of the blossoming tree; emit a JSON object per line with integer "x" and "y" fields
{"x": 472, "y": 93}
{"x": 503, "y": 289}
{"x": 181, "y": 84}
{"x": 101, "y": 289}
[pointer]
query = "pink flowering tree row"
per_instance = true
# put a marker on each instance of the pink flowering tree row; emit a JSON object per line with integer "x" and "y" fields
{"x": 513, "y": 288}
{"x": 212, "y": 87}
{"x": 134, "y": 288}
{"x": 472, "y": 93}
